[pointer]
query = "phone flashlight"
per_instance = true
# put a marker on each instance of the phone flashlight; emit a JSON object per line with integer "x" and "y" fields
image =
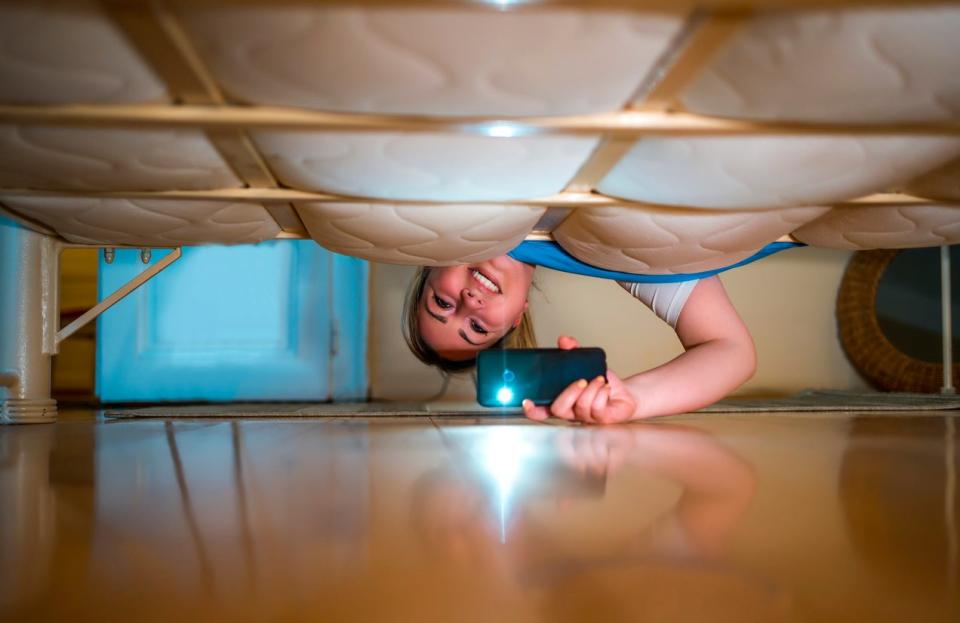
{"x": 507, "y": 377}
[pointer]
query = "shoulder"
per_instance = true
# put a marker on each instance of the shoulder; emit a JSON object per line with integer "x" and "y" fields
{"x": 666, "y": 300}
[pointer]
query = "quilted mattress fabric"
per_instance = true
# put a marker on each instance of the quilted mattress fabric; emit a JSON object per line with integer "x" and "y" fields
{"x": 67, "y": 53}
{"x": 436, "y": 61}
{"x": 884, "y": 227}
{"x": 109, "y": 159}
{"x": 660, "y": 241}
{"x": 420, "y": 234}
{"x": 70, "y": 53}
{"x": 767, "y": 172}
{"x": 419, "y": 60}
{"x": 144, "y": 222}
{"x": 859, "y": 65}
{"x": 431, "y": 59}
{"x": 729, "y": 195}
{"x": 424, "y": 167}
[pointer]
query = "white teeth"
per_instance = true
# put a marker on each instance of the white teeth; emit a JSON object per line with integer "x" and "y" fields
{"x": 489, "y": 285}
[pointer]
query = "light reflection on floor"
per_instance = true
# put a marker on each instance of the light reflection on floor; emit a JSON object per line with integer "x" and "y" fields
{"x": 713, "y": 518}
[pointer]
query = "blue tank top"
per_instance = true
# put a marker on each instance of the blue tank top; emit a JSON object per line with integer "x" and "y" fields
{"x": 550, "y": 254}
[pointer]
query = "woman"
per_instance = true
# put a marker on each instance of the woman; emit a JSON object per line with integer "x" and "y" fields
{"x": 453, "y": 312}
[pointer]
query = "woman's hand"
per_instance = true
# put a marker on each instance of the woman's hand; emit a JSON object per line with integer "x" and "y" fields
{"x": 597, "y": 401}
{"x": 593, "y": 450}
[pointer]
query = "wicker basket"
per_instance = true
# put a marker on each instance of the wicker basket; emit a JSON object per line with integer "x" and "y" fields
{"x": 867, "y": 348}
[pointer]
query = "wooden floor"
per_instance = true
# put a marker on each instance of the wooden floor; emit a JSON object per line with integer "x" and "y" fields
{"x": 758, "y": 517}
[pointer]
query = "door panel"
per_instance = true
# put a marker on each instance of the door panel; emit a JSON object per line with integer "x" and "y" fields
{"x": 282, "y": 320}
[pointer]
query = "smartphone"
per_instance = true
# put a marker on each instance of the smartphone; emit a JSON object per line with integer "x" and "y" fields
{"x": 505, "y": 377}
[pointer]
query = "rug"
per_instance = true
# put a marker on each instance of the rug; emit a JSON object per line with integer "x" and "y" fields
{"x": 806, "y": 401}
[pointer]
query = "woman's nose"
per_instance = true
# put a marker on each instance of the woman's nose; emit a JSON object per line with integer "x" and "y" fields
{"x": 471, "y": 298}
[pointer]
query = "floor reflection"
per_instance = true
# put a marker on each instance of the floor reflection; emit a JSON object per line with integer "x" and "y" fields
{"x": 234, "y": 511}
{"x": 898, "y": 488}
{"x": 760, "y": 518}
{"x": 511, "y": 503}
{"x": 27, "y": 514}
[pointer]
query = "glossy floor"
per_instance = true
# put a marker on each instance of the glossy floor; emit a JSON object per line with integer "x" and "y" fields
{"x": 767, "y": 517}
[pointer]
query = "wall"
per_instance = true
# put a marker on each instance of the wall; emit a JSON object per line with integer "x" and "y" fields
{"x": 787, "y": 300}
{"x": 73, "y": 368}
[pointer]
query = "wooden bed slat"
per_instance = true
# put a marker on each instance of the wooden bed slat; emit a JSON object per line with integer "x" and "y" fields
{"x": 626, "y": 124}
{"x": 164, "y": 44}
{"x": 702, "y": 35}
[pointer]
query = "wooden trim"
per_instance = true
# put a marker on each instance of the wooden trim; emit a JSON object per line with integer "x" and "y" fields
{"x": 551, "y": 219}
{"x": 633, "y": 123}
{"x": 889, "y": 199}
{"x": 605, "y": 156}
{"x": 284, "y": 195}
{"x": 287, "y": 217}
{"x": 155, "y": 34}
{"x": 522, "y": 5}
{"x": 237, "y": 149}
{"x": 690, "y": 51}
{"x": 611, "y": 150}
{"x": 274, "y": 195}
{"x": 708, "y": 32}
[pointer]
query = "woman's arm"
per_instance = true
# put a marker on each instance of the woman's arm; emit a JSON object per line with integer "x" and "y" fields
{"x": 718, "y": 357}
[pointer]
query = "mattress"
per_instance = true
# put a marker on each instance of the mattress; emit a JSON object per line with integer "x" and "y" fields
{"x": 640, "y": 136}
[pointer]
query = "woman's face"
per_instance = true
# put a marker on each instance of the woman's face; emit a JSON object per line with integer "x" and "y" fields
{"x": 465, "y": 309}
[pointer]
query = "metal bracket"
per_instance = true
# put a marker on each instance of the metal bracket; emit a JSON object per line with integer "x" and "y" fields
{"x": 118, "y": 295}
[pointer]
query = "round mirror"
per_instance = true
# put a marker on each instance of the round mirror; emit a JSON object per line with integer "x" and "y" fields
{"x": 908, "y": 303}
{"x": 889, "y": 317}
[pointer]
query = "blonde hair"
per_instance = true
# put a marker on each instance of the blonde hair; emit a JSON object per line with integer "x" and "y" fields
{"x": 521, "y": 336}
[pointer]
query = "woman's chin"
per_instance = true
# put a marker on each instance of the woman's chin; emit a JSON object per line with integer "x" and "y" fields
{"x": 504, "y": 262}
{"x": 511, "y": 272}
{"x": 457, "y": 354}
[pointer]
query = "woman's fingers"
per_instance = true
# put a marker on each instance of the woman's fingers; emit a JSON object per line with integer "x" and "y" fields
{"x": 534, "y": 412}
{"x": 584, "y": 405}
{"x": 566, "y": 342}
{"x": 562, "y": 406}
{"x": 599, "y": 406}
{"x": 601, "y": 401}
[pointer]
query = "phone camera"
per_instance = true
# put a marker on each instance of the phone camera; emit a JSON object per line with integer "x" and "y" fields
{"x": 509, "y": 376}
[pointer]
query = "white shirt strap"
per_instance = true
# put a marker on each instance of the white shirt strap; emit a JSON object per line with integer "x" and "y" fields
{"x": 665, "y": 299}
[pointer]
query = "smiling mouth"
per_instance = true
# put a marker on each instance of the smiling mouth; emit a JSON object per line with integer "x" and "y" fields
{"x": 485, "y": 281}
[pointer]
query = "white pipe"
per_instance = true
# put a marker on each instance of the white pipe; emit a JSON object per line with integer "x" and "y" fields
{"x": 947, "y": 322}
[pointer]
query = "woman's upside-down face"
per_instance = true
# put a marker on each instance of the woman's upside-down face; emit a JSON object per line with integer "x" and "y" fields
{"x": 465, "y": 309}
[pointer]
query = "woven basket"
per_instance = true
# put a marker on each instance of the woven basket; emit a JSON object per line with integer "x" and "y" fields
{"x": 867, "y": 348}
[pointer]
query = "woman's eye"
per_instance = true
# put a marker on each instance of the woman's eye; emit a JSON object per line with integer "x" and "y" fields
{"x": 477, "y": 328}
{"x": 442, "y": 304}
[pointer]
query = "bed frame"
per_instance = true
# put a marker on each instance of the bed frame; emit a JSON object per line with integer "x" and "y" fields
{"x": 645, "y": 136}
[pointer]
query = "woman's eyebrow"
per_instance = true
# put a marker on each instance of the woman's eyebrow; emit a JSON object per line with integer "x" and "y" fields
{"x": 435, "y": 316}
{"x": 466, "y": 339}
{"x": 426, "y": 307}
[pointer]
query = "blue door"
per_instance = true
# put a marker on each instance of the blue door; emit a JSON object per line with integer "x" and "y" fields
{"x": 281, "y": 320}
